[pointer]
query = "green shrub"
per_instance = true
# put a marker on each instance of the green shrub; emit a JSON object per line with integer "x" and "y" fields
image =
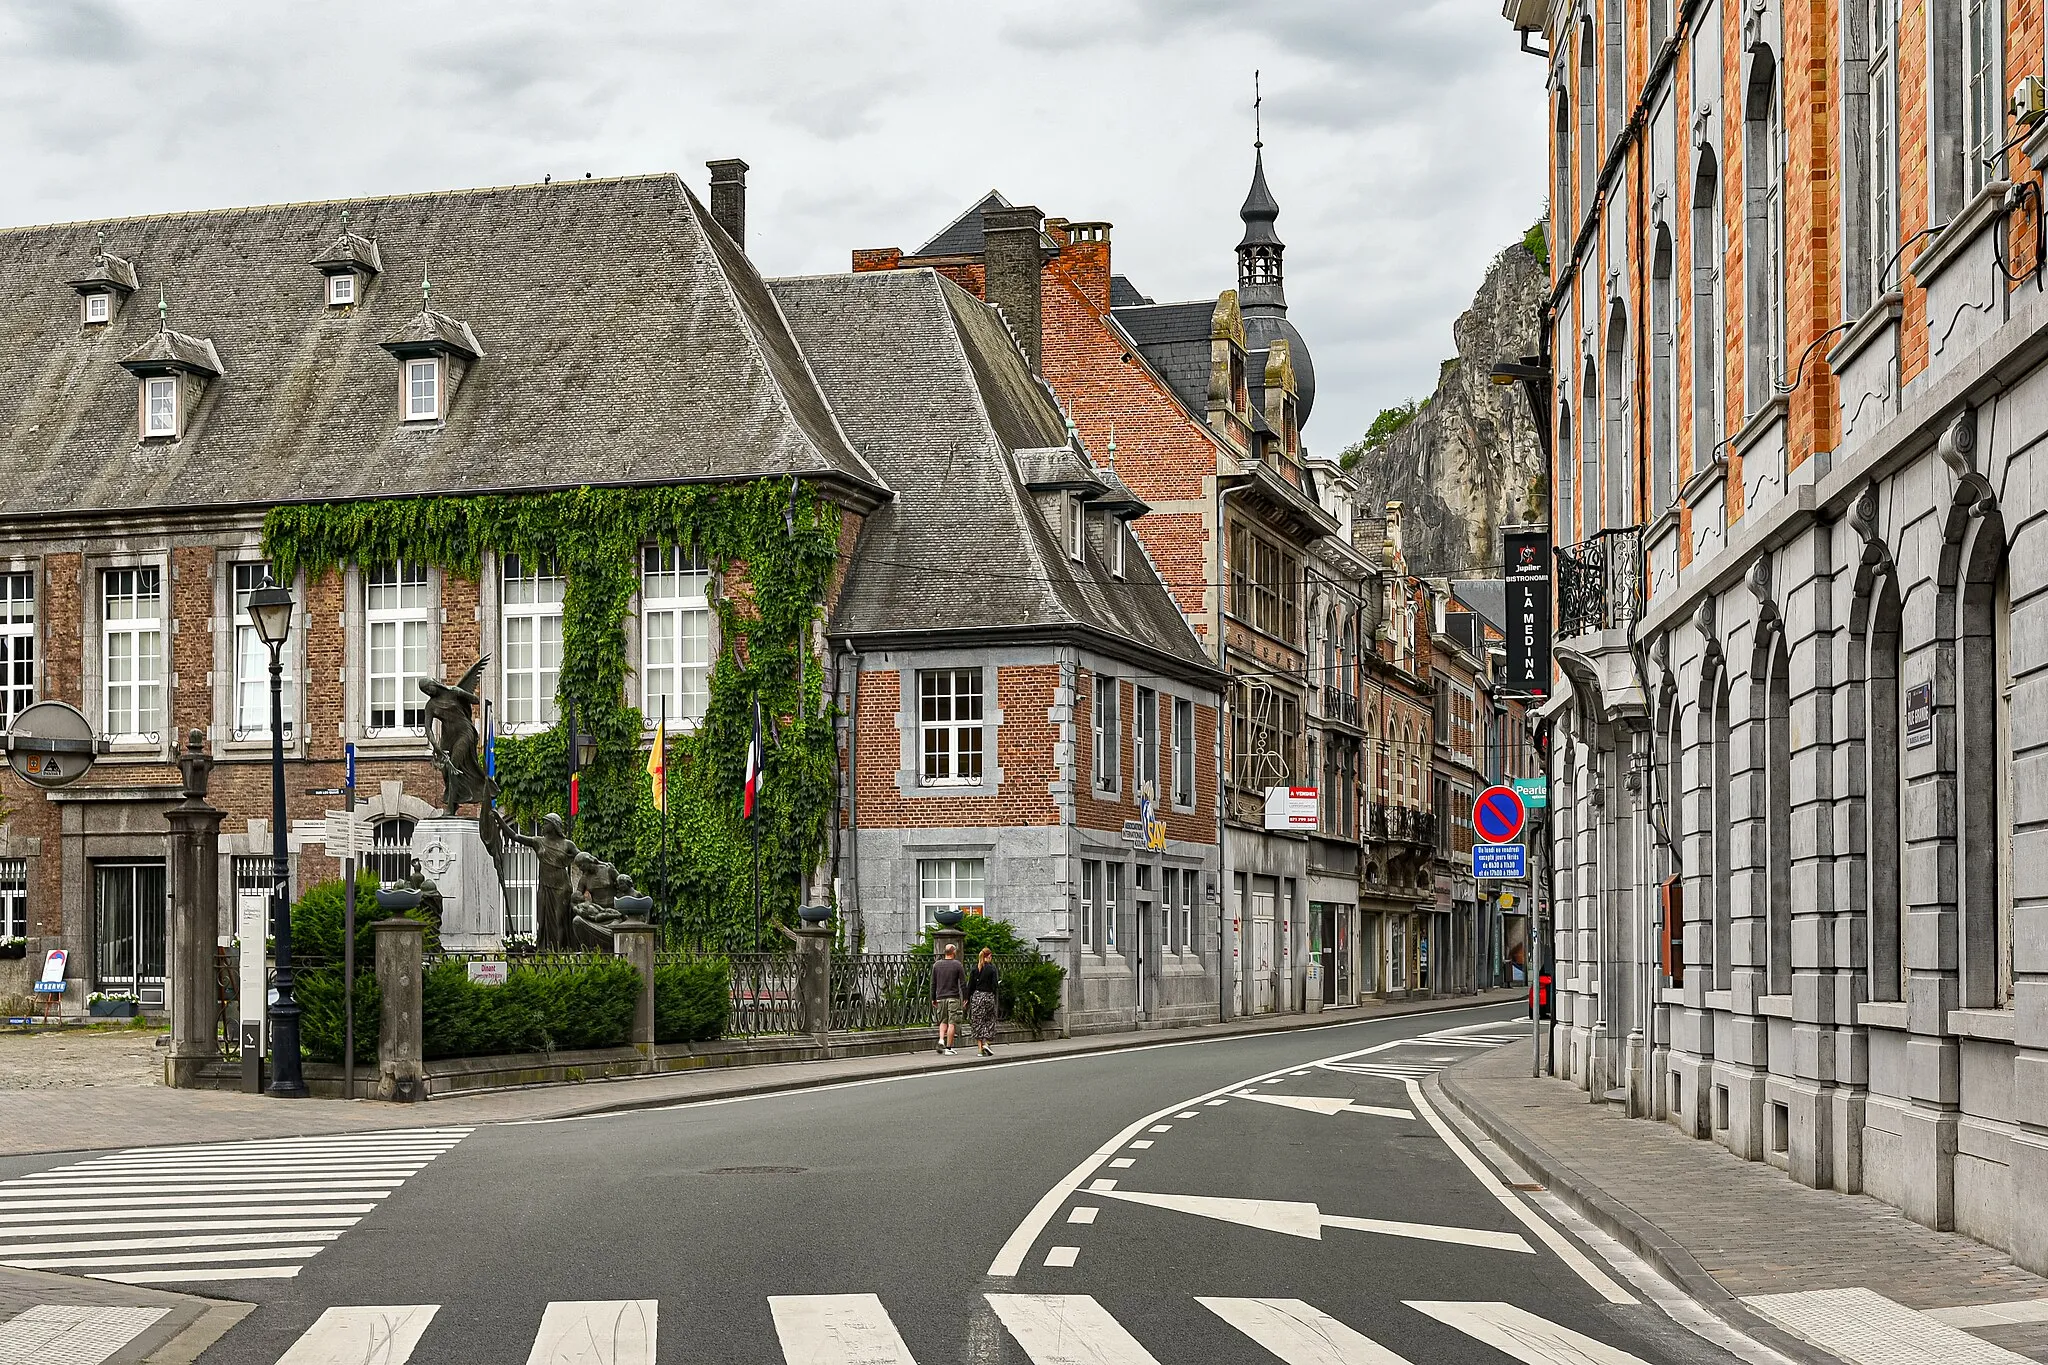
{"x": 983, "y": 931}
{"x": 588, "y": 1006}
{"x": 319, "y": 921}
{"x": 692, "y": 1000}
{"x": 320, "y": 1017}
{"x": 1031, "y": 993}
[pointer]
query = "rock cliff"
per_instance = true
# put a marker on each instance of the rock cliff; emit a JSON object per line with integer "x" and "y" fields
{"x": 1468, "y": 461}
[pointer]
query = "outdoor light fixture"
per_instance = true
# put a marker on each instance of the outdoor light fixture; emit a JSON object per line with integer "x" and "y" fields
{"x": 270, "y": 607}
{"x": 1509, "y": 372}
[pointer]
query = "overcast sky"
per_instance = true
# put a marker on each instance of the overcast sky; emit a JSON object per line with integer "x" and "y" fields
{"x": 1404, "y": 138}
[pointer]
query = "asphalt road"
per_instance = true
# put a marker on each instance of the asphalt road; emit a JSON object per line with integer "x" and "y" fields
{"x": 969, "y": 1206}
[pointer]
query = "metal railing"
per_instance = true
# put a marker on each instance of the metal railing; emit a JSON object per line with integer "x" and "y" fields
{"x": 764, "y": 995}
{"x": 1600, "y": 582}
{"x": 1339, "y": 705}
{"x": 1404, "y": 823}
{"x": 881, "y": 990}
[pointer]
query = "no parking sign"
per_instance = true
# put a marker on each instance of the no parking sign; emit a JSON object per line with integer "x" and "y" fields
{"x": 1498, "y": 814}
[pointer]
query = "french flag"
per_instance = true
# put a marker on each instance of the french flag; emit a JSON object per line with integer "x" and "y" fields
{"x": 755, "y": 763}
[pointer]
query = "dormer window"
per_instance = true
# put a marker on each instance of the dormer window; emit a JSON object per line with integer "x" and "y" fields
{"x": 341, "y": 289}
{"x": 1077, "y": 529}
{"x": 160, "y": 408}
{"x": 99, "y": 307}
{"x": 1116, "y": 547}
{"x": 423, "y": 390}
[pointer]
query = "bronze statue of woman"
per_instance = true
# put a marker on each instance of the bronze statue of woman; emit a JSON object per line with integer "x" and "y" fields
{"x": 557, "y": 855}
{"x": 451, "y": 734}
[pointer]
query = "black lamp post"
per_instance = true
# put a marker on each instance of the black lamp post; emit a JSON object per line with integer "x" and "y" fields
{"x": 270, "y": 607}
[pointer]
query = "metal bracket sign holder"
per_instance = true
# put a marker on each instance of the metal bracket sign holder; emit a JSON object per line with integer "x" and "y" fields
{"x": 52, "y": 745}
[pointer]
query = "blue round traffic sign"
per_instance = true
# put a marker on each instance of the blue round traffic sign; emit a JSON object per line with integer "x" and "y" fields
{"x": 1498, "y": 814}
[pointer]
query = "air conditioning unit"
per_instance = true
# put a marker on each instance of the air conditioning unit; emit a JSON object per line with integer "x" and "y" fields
{"x": 2028, "y": 105}
{"x": 1527, "y": 15}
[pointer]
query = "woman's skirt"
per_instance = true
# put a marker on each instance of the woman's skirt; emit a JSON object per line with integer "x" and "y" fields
{"x": 981, "y": 1013}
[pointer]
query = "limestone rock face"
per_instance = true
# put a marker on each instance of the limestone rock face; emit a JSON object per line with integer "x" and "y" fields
{"x": 1469, "y": 461}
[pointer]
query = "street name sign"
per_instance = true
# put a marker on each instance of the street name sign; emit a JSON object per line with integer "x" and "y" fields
{"x": 1500, "y": 862}
{"x": 1498, "y": 814}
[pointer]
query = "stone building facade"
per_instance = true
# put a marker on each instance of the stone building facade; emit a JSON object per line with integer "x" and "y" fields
{"x": 1797, "y": 333}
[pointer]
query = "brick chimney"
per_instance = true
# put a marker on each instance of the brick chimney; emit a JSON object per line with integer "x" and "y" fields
{"x": 1084, "y": 256}
{"x": 1012, "y": 258}
{"x": 729, "y": 198}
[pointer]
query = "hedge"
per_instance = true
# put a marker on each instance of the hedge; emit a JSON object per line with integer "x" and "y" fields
{"x": 692, "y": 1000}
{"x": 588, "y": 1006}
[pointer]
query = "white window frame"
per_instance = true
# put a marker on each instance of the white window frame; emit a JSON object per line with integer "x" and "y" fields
{"x": 1145, "y": 740}
{"x": 675, "y": 635}
{"x": 341, "y": 289}
{"x": 17, "y": 643}
{"x": 1077, "y": 529}
{"x": 249, "y": 699}
{"x": 132, "y": 705}
{"x": 1108, "y": 739}
{"x": 410, "y": 396}
{"x": 1882, "y": 193}
{"x": 1116, "y": 548}
{"x": 1983, "y": 123}
{"x": 950, "y": 884}
{"x": 13, "y": 898}
{"x": 396, "y": 619}
{"x": 100, "y": 301}
{"x": 952, "y": 735}
{"x": 1091, "y": 905}
{"x": 1112, "y": 904}
{"x": 522, "y": 890}
{"x": 1184, "y": 752}
{"x": 530, "y": 642}
{"x": 162, "y": 423}
{"x": 1190, "y": 883}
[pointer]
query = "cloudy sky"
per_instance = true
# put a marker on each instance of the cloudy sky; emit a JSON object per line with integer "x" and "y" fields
{"x": 1404, "y": 138}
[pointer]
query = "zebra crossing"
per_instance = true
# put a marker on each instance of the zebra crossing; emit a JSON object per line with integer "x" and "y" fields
{"x": 222, "y": 1211}
{"x": 848, "y": 1329}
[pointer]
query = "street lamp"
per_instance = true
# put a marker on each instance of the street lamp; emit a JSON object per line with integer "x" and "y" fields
{"x": 270, "y": 607}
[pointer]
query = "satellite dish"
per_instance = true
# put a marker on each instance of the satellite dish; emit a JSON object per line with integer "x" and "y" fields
{"x": 51, "y": 744}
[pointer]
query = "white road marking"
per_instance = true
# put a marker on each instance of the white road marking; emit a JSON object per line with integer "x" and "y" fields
{"x": 601, "y": 1332}
{"x": 1123, "y": 1163}
{"x": 1580, "y": 1263}
{"x": 159, "y": 1243}
{"x": 1160, "y": 1128}
{"x": 12, "y": 1225}
{"x": 1519, "y": 1333}
{"x": 264, "y": 1253}
{"x": 1991, "y": 1314}
{"x": 837, "y": 1329}
{"x": 1297, "y": 1073}
{"x": 1067, "y": 1329}
{"x": 1433, "y": 1232}
{"x": 1214, "y": 1103}
{"x": 71, "y": 1334}
{"x": 1866, "y": 1328}
{"x": 1190, "y": 1114}
{"x": 1299, "y": 1334}
{"x": 1101, "y": 1186}
{"x": 1298, "y": 1219}
{"x": 284, "y": 1189}
{"x": 362, "y": 1336}
{"x": 1060, "y": 1257}
{"x": 254, "y": 1272}
{"x": 1141, "y": 1144}
{"x": 1085, "y": 1214}
{"x": 1328, "y": 1104}
{"x": 196, "y": 1225}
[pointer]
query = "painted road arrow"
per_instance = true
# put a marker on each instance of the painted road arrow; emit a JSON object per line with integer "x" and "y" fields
{"x": 1296, "y": 1219}
{"x": 1324, "y": 1104}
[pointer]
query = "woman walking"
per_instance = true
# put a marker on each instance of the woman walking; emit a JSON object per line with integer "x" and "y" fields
{"x": 981, "y": 1001}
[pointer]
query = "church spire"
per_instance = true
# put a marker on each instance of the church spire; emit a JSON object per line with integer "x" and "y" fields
{"x": 1259, "y": 252}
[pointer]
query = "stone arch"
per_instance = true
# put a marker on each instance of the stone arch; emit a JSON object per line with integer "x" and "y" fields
{"x": 1974, "y": 611}
{"x": 1617, "y": 444}
{"x": 1714, "y": 743}
{"x": 1875, "y": 682}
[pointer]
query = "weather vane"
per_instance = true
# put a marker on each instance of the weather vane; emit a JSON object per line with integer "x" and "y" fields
{"x": 1258, "y": 130}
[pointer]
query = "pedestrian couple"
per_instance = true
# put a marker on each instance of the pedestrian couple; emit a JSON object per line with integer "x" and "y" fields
{"x": 952, "y": 984}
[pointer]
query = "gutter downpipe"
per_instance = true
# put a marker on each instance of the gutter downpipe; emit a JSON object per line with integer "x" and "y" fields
{"x": 851, "y": 838}
{"x": 1224, "y": 982}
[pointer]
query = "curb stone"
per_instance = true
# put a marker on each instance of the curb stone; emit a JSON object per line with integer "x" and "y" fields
{"x": 190, "y": 1324}
{"x": 1628, "y": 1227}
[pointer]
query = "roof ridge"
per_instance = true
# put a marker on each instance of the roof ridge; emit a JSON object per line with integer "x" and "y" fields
{"x": 243, "y": 209}
{"x": 961, "y": 217}
{"x": 811, "y": 373}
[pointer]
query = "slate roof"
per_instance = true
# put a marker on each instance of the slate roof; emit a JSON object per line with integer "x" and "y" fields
{"x": 962, "y": 236}
{"x": 933, "y": 390}
{"x": 623, "y": 341}
{"x": 1175, "y": 340}
{"x": 1486, "y": 598}
{"x": 1124, "y": 294}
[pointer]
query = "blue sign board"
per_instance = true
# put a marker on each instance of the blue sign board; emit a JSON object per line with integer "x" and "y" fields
{"x": 349, "y": 752}
{"x": 1500, "y": 862}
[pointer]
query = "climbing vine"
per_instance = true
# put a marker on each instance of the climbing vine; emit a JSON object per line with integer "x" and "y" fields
{"x": 777, "y": 539}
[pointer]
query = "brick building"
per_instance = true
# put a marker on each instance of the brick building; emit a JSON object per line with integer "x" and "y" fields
{"x": 1200, "y": 408}
{"x": 1796, "y": 335}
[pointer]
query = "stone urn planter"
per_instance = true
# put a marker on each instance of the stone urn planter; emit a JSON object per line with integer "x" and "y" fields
{"x": 814, "y": 915}
{"x": 949, "y": 919}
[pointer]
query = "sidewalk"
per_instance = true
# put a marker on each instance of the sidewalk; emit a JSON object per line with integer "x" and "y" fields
{"x": 114, "y": 1110}
{"x": 1726, "y": 1230}
{"x": 187, "y": 1324}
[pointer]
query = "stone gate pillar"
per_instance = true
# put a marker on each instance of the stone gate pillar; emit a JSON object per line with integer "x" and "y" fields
{"x": 634, "y": 941}
{"x": 195, "y": 922}
{"x": 401, "y": 1040}
{"x": 814, "y": 980}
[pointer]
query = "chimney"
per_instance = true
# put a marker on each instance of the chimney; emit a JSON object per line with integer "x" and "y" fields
{"x": 1084, "y": 255}
{"x": 1011, "y": 258}
{"x": 729, "y": 198}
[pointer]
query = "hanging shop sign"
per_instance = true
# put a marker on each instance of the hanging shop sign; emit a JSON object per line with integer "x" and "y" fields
{"x": 1527, "y": 558}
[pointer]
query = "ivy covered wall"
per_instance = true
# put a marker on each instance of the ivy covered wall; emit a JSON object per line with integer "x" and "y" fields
{"x": 773, "y": 545}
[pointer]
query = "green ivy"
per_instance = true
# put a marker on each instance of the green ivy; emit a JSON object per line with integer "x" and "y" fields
{"x": 779, "y": 538}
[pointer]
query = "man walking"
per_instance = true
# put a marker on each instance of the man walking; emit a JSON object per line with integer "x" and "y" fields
{"x": 949, "y": 989}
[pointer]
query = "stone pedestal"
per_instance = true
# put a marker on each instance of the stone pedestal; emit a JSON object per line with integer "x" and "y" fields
{"x": 633, "y": 940}
{"x": 195, "y": 931}
{"x": 401, "y": 1043}
{"x": 452, "y": 853}
{"x": 814, "y": 979}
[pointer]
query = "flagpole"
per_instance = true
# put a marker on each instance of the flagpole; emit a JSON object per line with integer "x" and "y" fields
{"x": 761, "y": 758}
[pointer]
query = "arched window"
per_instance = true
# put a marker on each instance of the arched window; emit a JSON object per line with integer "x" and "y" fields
{"x": 1763, "y": 247}
{"x": 1330, "y": 651}
{"x": 1561, "y": 496}
{"x": 1720, "y": 841}
{"x": 1776, "y": 792}
{"x": 1615, "y": 448}
{"x": 1616, "y": 78}
{"x": 1589, "y": 136}
{"x": 1708, "y": 353}
{"x": 1879, "y": 657}
{"x": 1984, "y": 746}
{"x": 1561, "y": 179}
{"x": 1663, "y": 382}
{"x": 1589, "y": 452}
{"x": 391, "y": 849}
{"x": 1350, "y": 679}
{"x": 1871, "y": 153}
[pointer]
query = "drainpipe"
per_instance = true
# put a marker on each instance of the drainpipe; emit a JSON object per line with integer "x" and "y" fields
{"x": 850, "y": 839}
{"x": 1223, "y": 976}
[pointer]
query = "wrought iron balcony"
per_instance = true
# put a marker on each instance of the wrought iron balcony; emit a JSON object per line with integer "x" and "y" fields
{"x": 1405, "y": 824}
{"x": 1600, "y": 582}
{"x": 1340, "y": 706}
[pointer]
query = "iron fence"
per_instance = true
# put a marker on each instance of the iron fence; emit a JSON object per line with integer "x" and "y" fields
{"x": 881, "y": 990}
{"x": 1600, "y": 582}
{"x": 764, "y": 995}
{"x": 1406, "y": 824}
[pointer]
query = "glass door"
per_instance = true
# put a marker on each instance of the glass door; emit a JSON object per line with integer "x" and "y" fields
{"x": 132, "y": 930}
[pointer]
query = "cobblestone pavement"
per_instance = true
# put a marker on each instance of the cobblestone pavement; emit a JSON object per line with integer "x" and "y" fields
{"x": 1748, "y": 1226}
{"x": 62, "y": 1058}
{"x": 93, "y": 1111}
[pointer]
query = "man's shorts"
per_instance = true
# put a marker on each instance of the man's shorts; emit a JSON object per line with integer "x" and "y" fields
{"x": 946, "y": 1009}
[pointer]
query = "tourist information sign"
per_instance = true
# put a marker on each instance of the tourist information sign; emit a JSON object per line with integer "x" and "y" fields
{"x": 51, "y": 744}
